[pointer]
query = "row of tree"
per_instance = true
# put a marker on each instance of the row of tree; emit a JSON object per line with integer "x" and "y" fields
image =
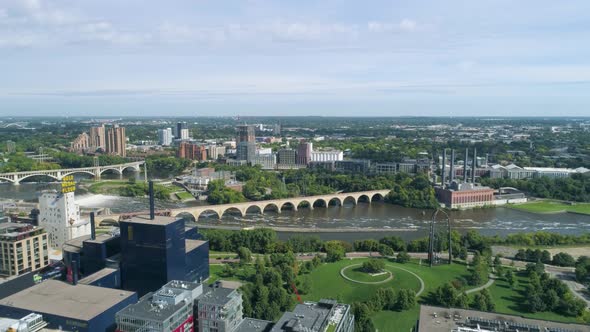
{"x": 575, "y": 188}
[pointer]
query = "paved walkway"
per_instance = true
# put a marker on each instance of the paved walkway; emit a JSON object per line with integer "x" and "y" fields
{"x": 363, "y": 282}
{"x": 491, "y": 280}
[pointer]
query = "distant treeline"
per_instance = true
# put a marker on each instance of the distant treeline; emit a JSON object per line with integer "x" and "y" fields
{"x": 574, "y": 188}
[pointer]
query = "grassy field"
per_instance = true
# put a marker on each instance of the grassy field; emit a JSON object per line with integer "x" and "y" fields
{"x": 508, "y": 301}
{"x": 106, "y": 187}
{"x": 182, "y": 195}
{"x": 356, "y": 273}
{"x": 553, "y": 207}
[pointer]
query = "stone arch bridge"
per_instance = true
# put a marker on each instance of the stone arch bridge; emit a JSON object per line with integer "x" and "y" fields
{"x": 58, "y": 174}
{"x": 277, "y": 205}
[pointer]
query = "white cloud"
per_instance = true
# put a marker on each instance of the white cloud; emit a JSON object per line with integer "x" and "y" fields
{"x": 404, "y": 25}
{"x": 407, "y": 25}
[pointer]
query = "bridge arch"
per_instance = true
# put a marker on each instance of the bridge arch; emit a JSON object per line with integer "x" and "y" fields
{"x": 272, "y": 206}
{"x": 319, "y": 202}
{"x": 289, "y": 206}
{"x": 41, "y": 174}
{"x": 116, "y": 170}
{"x": 203, "y": 214}
{"x": 231, "y": 211}
{"x": 335, "y": 201}
{"x": 78, "y": 172}
{"x": 364, "y": 198}
{"x": 253, "y": 209}
{"x": 187, "y": 216}
{"x": 7, "y": 179}
{"x": 349, "y": 199}
{"x": 377, "y": 196}
{"x": 134, "y": 168}
{"x": 304, "y": 204}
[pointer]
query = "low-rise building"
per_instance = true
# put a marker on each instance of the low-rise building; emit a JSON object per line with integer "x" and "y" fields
{"x": 465, "y": 195}
{"x": 287, "y": 157}
{"x": 267, "y": 161}
{"x": 23, "y": 248}
{"x": 325, "y": 315}
{"x": 353, "y": 166}
{"x": 327, "y": 155}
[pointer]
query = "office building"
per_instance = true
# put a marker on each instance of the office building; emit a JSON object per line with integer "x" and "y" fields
{"x": 325, "y": 315}
{"x": 156, "y": 251}
{"x": 385, "y": 168}
{"x": 116, "y": 141}
{"x": 267, "y": 161}
{"x": 219, "y": 309}
{"x": 181, "y": 131}
{"x": 245, "y": 143}
{"x": 191, "y": 151}
{"x": 353, "y": 166}
{"x": 165, "y": 136}
{"x": 438, "y": 319}
{"x": 287, "y": 157}
{"x": 304, "y": 153}
{"x": 97, "y": 138}
{"x": 166, "y": 310}
{"x": 23, "y": 248}
{"x": 330, "y": 155}
{"x": 81, "y": 143}
{"x": 86, "y": 255}
{"x": 215, "y": 152}
{"x": 69, "y": 307}
{"x": 59, "y": 215}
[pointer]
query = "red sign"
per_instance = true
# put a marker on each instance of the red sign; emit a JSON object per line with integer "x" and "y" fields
{"x": 188, "y": 323}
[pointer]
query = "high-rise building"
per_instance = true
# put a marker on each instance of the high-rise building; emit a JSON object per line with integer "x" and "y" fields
{"x": 245, "y": 143}
{"x": 181, "y": 130}
{"x": 10, "y": 146}
{"x": 59, "y": 215}
{"x": 23, "y": 248}
{"x": 165, "y": 136}
{"x": 215, "y": 151}
{"x": 304, "y": 153}
{"x": 286, "y": 157}
{"x": 97, "y": 138}
{"x": 276, "y": 129}
{"x": 156, "y": 251}
{"x": 191, "y": 151}
{"x": 80, "y": 143}
{"x": 116, "y": 141}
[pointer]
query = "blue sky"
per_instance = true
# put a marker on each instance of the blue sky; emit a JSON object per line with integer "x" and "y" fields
{"x": 203, "y": 58}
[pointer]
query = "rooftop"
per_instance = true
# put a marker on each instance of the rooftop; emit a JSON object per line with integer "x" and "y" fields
{"x": 11, "y": 231}
{"x": 147, "y": 309}
{"x": 193, "y": 244}
{"x": 311, "y": 316}
{"x": 158, "y": 220}
{"x": 253, "y": 325}
{"x": 216, "y": 295}
{"x": 96, "y": 275}
{"x": 437, "y": 319}
{"x": 54, "y": 297}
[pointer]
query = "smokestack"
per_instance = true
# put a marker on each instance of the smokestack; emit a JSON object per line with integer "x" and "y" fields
{"x": 474, "y": 165}
{"x": 92, "y": 226}
{"x": 465, "y": 165}
{"x": 152, "y": 207}
{"x": 452, "y": 175}
{"x": 444, "y": 162}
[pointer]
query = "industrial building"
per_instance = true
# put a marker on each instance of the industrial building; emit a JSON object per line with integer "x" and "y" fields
{"x": 69, "y": 307}
{"x": 155, "y": 251}
{"x": 325, "y": 315}
{"x": 59, "y": 215}
{"x": 438, "y": 319}
{"x": 23, "y": 248}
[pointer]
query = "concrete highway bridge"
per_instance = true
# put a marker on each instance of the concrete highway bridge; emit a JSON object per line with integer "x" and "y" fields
{"x": 241, "y": 209}
{"x": 58, "y": 174}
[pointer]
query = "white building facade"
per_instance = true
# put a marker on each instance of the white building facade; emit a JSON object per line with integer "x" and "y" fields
{"x": 165, "y": 136}
{"x": 59, "y": 215}
{"x": 333, "y": 155}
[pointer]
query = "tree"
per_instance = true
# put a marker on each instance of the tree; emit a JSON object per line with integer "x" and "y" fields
{"x": 509, "y": 276}
{"x": 462, "y": 301}
{"x": 403, "y": 257}
{"x": 228, "y": 271}
{"x": 334, "y": 251}
{"x": 483, "y": 301}
{"x": 385, "y": 251}
{"x": 445, "y": 295}
{"x": 362, "y": 317}
{"x": 304, "y": 284}
{"x": 563, "y": 259}
{"x": 406, "y": 299}
{"x": 583, "y": 269}
{"x": 316, "y": 261}
{"x": 245, "y": 255}
{"x": 373, "y": 266}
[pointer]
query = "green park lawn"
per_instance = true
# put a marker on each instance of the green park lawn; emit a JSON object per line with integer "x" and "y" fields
{"x": 356, "y": 273}
{"x": 553, "y": 207}
{"x": 182, "y": 195}
{"x": 106, "y": 186}
{"x": 509, "y": 301}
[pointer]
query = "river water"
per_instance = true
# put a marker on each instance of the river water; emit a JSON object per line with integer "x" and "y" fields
{"x": 385, "y": 218}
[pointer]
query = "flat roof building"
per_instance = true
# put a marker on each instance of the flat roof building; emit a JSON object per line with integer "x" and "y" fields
{"x": 325, "y": 315}
{"x": 69, "y": 307}
{"x": 437, "y": 319}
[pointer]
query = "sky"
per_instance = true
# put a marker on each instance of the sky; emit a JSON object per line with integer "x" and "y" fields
{"x": 295, "y": 57}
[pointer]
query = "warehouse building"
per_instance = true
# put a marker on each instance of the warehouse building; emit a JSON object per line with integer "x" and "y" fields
{"x": 69, "y": 307}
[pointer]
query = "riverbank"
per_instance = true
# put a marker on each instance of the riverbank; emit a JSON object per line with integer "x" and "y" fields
{"x": 284, "y": 229}
{"x": 553, "y": 207}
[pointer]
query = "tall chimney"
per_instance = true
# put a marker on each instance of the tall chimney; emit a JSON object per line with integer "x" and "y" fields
{"x": 452, "y": 175}
{"x": 465, "y": 165}
{"x": 474, "y": 165}
{"x": 92, "y": 226}
{"x": 444, "y": 163}
{"x": 152, "y": 207}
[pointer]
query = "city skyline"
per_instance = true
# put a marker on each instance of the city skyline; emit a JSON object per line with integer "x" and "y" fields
{"x": 334, "y": 58}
